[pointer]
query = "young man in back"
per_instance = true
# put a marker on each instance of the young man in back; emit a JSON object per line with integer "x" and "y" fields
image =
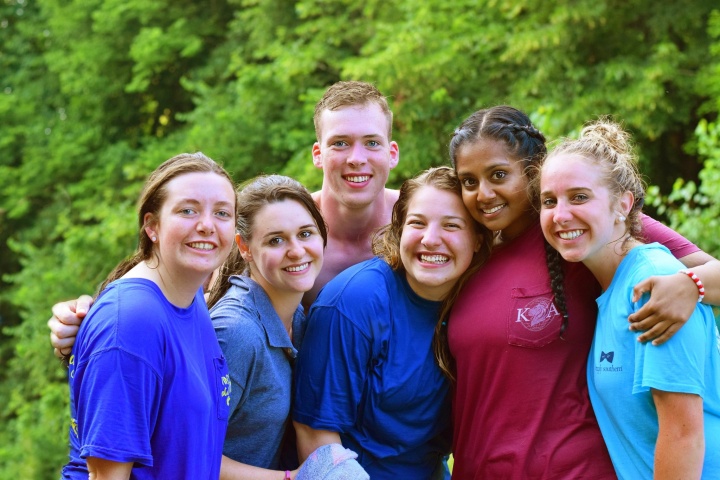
{"x": 353, "y": 126}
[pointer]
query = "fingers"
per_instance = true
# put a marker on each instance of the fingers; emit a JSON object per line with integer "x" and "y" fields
{"x": 667, "y": 334}
{"x": 64, "y": 312}
{"x": 61, "y": 332}
{"x": 62, "y": 353}
{"x": 83, "y": 305}
{"x": 644, "y": 286}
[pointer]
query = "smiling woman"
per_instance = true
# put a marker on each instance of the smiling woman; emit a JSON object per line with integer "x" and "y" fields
{"x": 366, "y": 374}
{"x": 148, "y": 382}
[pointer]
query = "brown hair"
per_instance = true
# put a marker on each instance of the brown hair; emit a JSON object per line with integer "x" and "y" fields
{"x": 348, "y": 94}
{"x": 386, "y": 245}
{"x": 153, "y": 197}
{"x": 253, "y": 195}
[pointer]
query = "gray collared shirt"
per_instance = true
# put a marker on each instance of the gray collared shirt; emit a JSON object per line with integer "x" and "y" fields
{"x": 258, "y": 352}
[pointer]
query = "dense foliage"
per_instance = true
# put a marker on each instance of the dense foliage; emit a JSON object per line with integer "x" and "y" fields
{"x": 95, "y": 93}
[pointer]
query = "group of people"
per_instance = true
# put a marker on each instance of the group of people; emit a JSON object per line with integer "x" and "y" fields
{"x": 362, "y": 331}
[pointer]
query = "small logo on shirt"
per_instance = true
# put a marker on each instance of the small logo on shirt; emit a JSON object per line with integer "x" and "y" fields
{"x": 608, "y": 366}
{"x": 537, "y": 314}
{"x": 607, "y": 356}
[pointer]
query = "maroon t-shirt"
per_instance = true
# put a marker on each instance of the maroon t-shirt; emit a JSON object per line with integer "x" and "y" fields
{"x": 521, "y": 407}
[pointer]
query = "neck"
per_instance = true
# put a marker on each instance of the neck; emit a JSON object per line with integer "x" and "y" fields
{"x": 605, "y": 263}
{"x": 284, "y": 304}
{"x": 179, "y": 293}
{"x": 355, "y": 224}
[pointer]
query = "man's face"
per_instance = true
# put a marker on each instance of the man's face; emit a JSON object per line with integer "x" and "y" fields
{"x": 355, "y": 154}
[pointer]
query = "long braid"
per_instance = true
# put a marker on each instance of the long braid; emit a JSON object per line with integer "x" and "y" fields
{"x": 554, "y": 264}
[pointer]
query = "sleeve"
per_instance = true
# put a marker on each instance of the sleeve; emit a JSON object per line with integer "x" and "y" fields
{"x": 654, "y": 231}
{"x": 677, "y": 365}
{"x": 117, "y": 397}
{"x": 331, "y": 371}
{"x": 239, "y": 346}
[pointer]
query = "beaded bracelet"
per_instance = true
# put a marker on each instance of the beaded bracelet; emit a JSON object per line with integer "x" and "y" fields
{"x": 287, "y": 475}
{"x": 698, "y": 283}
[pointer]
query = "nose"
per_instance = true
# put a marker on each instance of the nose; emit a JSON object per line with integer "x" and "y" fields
{"x": 485, "y": 192}
{"x": 206, "y": 223}
{"x": 356, "y": 156}
{"x": 432, "y": 237}
{"x": 561, "y": 213}
{"x": 295, "y": 249}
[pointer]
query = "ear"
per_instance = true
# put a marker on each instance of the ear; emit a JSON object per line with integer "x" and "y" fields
{"x": 394, "y": 154}
{"x": 150, "y": 225}
{"x": 626, "y": 202}
{"x": 317, "y": 155}
{"x": 244, "y": 248}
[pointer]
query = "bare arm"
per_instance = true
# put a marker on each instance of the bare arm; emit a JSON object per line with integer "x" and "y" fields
{"x": 309, "y": 439}
{"x": 64, "y": 324}
{"x": 232, "y": 470}
{"x": 673, "y": 298}
{"x": 101, "y": 469}
{"x": 680, "y": 446}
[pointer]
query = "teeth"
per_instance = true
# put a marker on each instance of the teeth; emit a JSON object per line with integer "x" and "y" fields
{"x": 494, "y": 209}
{"x": 358, "y": 178}
{"x": 202, "y": 245}
{"x": 440, "y": 259}
{"x": 570, "y": 235}
{"x": 298, "y": 268}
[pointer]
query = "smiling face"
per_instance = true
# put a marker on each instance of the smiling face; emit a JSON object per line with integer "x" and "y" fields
{"x": 195, "y": 225}
{"x": 355, "y": 153}
{"x": 285, "y": 252}
{"x": 494, "y": 188}
{"x": 437, "y": 243}
{"x": 580, "y": 216}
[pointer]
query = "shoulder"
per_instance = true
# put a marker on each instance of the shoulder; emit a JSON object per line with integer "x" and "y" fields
{"x": 358, "y": 281}
{"x": 236, "y": 315}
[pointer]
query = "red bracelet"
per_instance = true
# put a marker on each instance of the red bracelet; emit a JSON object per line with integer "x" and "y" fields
{"x": 287, "y": 475}
{"x": 698, "y": 283}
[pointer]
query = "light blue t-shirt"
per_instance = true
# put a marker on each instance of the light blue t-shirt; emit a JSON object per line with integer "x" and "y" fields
{"x": 621, "y": 370}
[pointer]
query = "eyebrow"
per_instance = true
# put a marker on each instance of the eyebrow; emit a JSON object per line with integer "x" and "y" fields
{"x": 281, "y": 232}
{"x": 444, "y": 217}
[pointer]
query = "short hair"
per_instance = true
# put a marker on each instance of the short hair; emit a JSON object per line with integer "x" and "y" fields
{"x": 348, "y": 94}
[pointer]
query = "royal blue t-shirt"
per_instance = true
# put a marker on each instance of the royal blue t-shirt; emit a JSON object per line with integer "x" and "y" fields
{"x": 366, "y": 369}
{"x": 149, "y": 385}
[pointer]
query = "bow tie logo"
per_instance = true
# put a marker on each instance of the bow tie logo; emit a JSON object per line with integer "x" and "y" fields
{"x": 607, "y": 356}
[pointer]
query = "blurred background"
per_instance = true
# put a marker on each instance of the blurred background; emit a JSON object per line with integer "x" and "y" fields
{"x": 94, "y": 94}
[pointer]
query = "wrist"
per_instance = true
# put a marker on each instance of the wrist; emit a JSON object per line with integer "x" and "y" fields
{"x": 697, "y": 281}
{"x": 287, "y": 475}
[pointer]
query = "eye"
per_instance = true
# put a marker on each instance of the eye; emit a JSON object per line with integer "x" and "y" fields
{"x": 340, "y": 143}
{"x": 275, "y": 241}
{"x": 187, "y": 211}
{"x": 224, "y": 214}
{"x": 548, "y": 202}
{"x": 414, "y": 223}
{"x": 580, "y": 198}
{"x": 305, "y": 234}
{"x": 499, "y": 175}
{"x": 373, "y": 143}
{"x": 453, "y": 226}
{"x": 468, "y": 182}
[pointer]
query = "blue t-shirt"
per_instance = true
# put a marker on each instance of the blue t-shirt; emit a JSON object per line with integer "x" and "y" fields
{"x": 259, "y": 355}
{"x": 366, "y": 369}
{"x": 149, "y": 385}
{"x": 621, "y": 370}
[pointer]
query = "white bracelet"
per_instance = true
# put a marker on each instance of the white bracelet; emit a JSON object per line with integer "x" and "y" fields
{"x": 698, "y": 283}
